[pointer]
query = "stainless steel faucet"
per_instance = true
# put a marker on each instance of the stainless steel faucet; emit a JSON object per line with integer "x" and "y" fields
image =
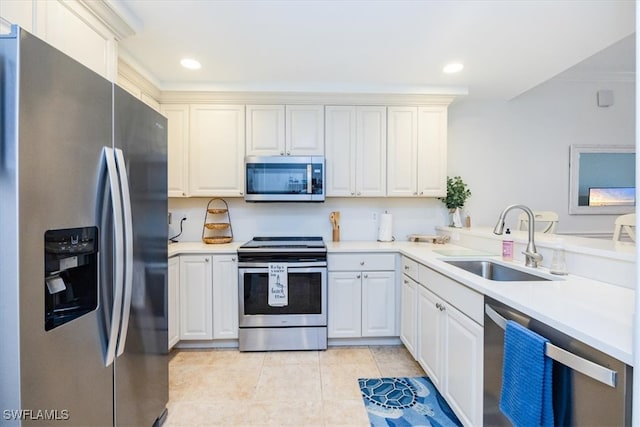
{"x": 532, "y": 257}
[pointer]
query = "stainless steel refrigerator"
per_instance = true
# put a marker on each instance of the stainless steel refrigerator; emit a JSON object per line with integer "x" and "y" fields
{"x": 83, "y": 245}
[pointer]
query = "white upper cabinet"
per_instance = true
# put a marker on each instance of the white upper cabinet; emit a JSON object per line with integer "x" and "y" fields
{"x": 356, "y": 151}
{"x": 216, "y": 150}
{"x": 304, "y": 134}
{"x": 432, "y": 151}
{"x": 279, "y": 130}
{"x": 416, "y": 151}
{"x": 177, "y": 148}
{"x": 265, "y": 130}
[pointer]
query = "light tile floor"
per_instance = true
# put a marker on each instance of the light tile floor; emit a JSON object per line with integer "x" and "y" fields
{"x": 292, "y": 388}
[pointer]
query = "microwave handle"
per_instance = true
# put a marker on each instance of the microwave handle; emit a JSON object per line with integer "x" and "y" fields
{"x": 309, "y": 183}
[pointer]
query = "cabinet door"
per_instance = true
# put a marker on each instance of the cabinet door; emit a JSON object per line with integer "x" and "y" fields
{"x": 344, "y": 314}
{"x": 173, "y": 303}
{"x": 225, "y": 297}
{"x": 216, "y": 151}
{"x": 402, "y": 149}
{"x": 378, "y": 304}
{"x": 265, "y": 130}
{"x": 178, "y": 148}
{"x": 409, "y": 314}
{"x": 196, "y": 302}
{"x": 340, "y": 131}
{"x": 430, "y": 330}
{"x": 304, "y": 132}
{"x": 371, "y": 157}
{"x": 432, "y": 151}
{"x": 76, "y": 31}
{"x": 463, "y": 365}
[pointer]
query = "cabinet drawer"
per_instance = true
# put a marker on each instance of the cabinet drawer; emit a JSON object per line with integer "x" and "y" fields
{"x": 464, "y": 299}
{"x": 361, "y": 261}
{"x": 410, "y": 267}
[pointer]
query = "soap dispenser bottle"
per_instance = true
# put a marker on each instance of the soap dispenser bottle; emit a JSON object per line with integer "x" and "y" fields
{"x": 559, "y": 262}
{"x": 507, "y": 246}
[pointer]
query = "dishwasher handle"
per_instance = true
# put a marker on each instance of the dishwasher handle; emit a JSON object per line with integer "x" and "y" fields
{"x": 577, "y": 363}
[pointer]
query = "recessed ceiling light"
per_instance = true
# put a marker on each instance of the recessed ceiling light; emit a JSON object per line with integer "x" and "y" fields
{"x": 454, "y": 67}
{"x": 191, "y": 64}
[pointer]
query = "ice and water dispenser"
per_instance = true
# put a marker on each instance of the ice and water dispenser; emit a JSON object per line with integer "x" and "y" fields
{"x": 71, "y": 274}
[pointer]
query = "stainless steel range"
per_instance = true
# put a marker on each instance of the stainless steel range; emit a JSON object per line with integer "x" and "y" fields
{"x": 283, "y": 294}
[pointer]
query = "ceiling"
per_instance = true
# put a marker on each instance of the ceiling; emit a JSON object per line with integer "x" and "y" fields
{"x": 380, "y": 46}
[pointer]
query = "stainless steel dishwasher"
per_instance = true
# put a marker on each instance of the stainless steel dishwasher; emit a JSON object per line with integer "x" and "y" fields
{"x": 590, "y": 388}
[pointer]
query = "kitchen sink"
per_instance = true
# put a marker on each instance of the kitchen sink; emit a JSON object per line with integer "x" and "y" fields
{"x": 494, "y": 271}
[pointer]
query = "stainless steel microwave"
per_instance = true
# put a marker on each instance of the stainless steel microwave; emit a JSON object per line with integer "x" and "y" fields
{"x": 284, "y": 179}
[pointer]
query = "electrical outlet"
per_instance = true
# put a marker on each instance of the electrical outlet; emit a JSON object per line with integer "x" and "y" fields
{"x": 374, "y": 216}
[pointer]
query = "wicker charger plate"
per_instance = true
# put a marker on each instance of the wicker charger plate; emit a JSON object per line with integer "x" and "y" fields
{"x": 217, "y": 240}
{"x": 217, "y": 211}
{"x": 217, "y": 225}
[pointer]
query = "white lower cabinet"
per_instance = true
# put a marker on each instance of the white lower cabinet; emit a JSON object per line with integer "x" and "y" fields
{"x": 225, "y": 297}
{"x": 196, "y": 300}
{"x": 450, "y": 348}
{"x": 361, "y": 303}
{"x": 173, "y": 301}
{"x": 208, "y": 297}
{"x": 344, "y": 305}
{"x": 409, "y": 314}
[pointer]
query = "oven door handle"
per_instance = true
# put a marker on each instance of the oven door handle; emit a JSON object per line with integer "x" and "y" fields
{"x": 295, "y": 267}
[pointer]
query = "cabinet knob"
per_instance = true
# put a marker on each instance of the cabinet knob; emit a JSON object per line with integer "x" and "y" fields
{"x": 359, "y": 193}
{"x": 406, "y": 267}
{"x": 358, "y": 276}
{"x": 282, "y": 153}
{"x": 353, "y": 194}
{"x": 422, "y": 193}
{"x": 361, "y": 262}
{"x": 288, "y": 153}
{"x": 242, "y": 193}
{"x": 233, "y": 259}
{"x": 366, "y": 276}
{"x": 415, "y": 193}
{"x": 406, "y": 282}
{"x": 206, "y": 260}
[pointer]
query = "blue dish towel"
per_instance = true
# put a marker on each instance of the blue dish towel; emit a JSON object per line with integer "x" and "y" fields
{"x": 526, "y": 396}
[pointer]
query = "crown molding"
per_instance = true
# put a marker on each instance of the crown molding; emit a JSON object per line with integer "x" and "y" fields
{"x": 109, "y": 17}
{"x": 389, "y": 99}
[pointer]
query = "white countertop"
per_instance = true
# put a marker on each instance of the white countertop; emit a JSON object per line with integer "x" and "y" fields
{"x": 596, "y": 313}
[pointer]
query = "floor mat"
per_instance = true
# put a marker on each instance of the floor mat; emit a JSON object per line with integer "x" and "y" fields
{"x": 405, "y": 402}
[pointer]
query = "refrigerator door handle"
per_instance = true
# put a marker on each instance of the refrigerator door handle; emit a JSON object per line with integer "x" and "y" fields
{"x": 128, "y": 248}
{"x": 114, "y": 188}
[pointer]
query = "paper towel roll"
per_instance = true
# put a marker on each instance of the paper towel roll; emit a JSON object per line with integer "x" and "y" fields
{"x": 385, "y": 232}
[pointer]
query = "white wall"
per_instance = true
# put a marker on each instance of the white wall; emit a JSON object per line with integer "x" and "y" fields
{"x": 518, "y": 151}
{"x": 410, "y": 216}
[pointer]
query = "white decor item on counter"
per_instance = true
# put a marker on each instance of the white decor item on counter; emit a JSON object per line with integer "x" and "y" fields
{"x": 385, "y": 231}
{"x": 456, "y": 220}
{"x": 278, "y": 285}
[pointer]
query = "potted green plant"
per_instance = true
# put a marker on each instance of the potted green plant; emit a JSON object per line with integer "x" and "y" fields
{"x": 457, "y": 194}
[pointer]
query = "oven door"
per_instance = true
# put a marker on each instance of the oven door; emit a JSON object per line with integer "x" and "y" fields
{"x": 307, "y": 289}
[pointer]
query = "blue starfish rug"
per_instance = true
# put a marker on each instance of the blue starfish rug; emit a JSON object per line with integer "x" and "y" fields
{"x": 405, "y": 402}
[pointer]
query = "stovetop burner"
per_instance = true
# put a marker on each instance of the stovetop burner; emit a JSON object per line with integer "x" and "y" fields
{"x": 285, "y": 242}
{"x": 283, "y": 249}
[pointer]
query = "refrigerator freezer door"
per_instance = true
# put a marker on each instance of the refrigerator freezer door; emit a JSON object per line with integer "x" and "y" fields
{"x": 142, "y": 371}
{"x": 55, "y": 121}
